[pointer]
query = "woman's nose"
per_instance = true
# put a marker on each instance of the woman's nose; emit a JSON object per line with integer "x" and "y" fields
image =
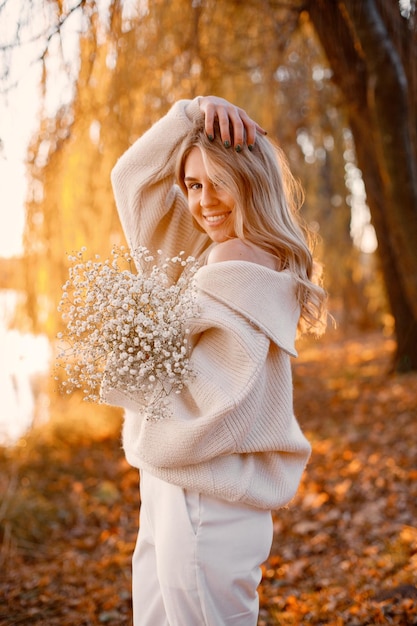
{"x": 208, "y": 196}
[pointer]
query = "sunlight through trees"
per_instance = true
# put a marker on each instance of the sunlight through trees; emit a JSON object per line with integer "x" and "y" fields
{"x": 310, "y": 72}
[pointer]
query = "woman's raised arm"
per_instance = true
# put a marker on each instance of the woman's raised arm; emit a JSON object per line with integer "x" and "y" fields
{"x": 152, "y": 210}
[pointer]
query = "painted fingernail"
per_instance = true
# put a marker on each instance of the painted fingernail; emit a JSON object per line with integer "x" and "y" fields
{"x": 210, "y": 137}
{"x": 227, "y": 144}
{"x": 238, "y": 148}
{"x": 250, "y": 147}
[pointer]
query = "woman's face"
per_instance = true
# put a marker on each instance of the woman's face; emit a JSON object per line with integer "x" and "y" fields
{"x": 211, "y": 206}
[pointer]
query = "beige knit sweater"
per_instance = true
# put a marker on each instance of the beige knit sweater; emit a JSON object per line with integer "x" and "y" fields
{"x": 233, "y": 433}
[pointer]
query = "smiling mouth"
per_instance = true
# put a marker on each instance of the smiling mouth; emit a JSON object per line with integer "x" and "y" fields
{"x": 216, "y": 219}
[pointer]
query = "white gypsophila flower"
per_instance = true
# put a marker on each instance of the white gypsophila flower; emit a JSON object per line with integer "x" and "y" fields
{"x": 127, "y": 329}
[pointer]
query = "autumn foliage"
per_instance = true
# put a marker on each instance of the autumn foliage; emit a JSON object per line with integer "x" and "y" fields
{"x": 345, "y": 550}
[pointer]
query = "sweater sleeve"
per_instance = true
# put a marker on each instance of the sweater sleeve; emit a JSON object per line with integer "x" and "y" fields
{"x": 152, "y": 209}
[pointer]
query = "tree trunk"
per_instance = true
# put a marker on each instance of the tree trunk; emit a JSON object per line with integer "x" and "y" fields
{"x": 370, "y": 72}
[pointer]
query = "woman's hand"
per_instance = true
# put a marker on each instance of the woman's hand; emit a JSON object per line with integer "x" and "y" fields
{"x": 244, "y": 128}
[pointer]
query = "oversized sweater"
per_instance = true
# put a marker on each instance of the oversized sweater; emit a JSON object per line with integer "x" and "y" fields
{"x": 232, "y": 433}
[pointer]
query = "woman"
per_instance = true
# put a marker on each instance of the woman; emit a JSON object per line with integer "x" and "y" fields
{"x": 204, "y": 179}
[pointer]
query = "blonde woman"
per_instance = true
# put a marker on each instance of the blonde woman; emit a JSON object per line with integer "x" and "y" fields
{"x": 205, "y": 180}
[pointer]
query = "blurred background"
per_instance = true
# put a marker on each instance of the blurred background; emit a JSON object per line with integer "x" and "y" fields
{"x": 335, "y": 83}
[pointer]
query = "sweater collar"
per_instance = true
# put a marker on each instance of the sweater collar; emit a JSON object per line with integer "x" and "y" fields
{"x": 267, "y": 298}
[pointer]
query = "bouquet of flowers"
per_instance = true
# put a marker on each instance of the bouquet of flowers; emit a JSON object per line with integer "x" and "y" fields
{"x": 127, "y": 329}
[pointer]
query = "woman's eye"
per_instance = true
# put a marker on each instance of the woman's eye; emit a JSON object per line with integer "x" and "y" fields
{"x": 194, "y": 186}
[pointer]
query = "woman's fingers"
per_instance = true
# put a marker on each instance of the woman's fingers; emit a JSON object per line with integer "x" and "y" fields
{"x": 209, "y": 113}
{"x": 244, "y": 128}
{"x": 225, "y": 116}
{"x": 251, "y": 128}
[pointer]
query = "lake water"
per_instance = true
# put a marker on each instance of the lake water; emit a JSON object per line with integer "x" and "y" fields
{"x": 24, "y": 361}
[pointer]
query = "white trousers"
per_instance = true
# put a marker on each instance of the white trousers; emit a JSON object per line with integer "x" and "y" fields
{"x": 197, "y": 558}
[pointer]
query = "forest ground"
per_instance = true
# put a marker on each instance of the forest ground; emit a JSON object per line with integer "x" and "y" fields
{"x": 345, "y": 550}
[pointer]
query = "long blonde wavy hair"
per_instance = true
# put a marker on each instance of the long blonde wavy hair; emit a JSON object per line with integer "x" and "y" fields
{"x": 267, "y": 203}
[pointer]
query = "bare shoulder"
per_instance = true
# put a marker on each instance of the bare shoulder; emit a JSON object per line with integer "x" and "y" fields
{"x": 231, "y": 250}
{"x": 238, "y": 250}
